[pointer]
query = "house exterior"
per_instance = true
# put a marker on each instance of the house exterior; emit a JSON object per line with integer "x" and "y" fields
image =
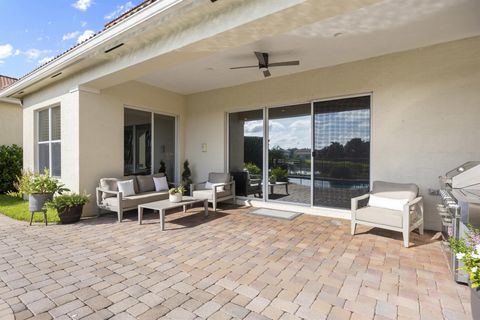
{"x": 10, "y": 117}
{"x": 384, "y": 90}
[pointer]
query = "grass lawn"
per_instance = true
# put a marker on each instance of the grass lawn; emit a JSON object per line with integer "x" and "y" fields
{"x": 17, "y": 209}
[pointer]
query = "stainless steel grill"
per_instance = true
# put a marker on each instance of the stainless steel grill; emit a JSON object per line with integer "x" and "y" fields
{"x": 460, "y": 194}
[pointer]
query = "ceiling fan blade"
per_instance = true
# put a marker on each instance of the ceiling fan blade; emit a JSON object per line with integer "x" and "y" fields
{"x": 244, "y": 67}
{"x": 284, "y": 63}
{"x": 266, "y": 73}
{"x": 262, "y": 58}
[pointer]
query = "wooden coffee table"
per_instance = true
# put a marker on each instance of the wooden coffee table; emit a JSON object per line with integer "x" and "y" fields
{"x": 164, "y": 205}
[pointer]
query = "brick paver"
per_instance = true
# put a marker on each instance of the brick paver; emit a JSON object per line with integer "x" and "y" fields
{"x": 231, "y": 265}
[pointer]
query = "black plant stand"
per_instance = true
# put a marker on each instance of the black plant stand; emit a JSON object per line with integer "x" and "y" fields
{"x": 44, "y": 216}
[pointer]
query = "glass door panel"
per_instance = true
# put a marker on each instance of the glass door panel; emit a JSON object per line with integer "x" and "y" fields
{"x": 246, "y": 152}
{"x": 164, "y": 149}
{"x": 137, "y": 142}
{"x": 341, "y": 151}
{"x": 289, "y": 153}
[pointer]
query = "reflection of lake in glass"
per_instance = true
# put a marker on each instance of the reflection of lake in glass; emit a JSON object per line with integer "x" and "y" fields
{"x": 342, "y": 184}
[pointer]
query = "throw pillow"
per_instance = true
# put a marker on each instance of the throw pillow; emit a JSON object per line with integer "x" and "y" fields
{"x": 126, "y": 188}
{"x": 387, "y": 203}
{"x": 161, "y": 183}
{"x": 209, "y": 185}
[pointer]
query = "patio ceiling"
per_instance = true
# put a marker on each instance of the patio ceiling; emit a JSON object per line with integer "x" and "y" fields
{"x": 383, "y": 27}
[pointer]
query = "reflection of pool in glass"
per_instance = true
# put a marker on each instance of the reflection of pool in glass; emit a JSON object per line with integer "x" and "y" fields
{"x": 342, "y": 184}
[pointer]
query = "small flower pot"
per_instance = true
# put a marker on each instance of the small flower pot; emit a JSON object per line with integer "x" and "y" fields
{"x": 36, "y": 201}
{"x": 70, "y": 214}
{"x": 475, "y": 302}
{"x": 175, "y": 197}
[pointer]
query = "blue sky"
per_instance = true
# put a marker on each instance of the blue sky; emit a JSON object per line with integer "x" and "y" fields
{"x": 33, "y": 31}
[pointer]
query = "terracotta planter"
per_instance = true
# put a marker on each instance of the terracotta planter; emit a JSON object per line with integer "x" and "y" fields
{"x": 175, "y": 197}
{"x": 70, "y": 214}
{"x": 36, "y": 201}
{"x": 475, "y": 302}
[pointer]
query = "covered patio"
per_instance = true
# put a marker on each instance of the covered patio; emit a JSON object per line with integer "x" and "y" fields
{"x": 232, "y": 265}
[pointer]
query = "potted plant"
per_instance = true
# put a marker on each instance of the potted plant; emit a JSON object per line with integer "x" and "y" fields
{"x": 40, "y": 188}
{"x": 278, "y": 174}
{"x": 163, "y": 167}
{"x": 175, "y": 194}
{"x": 467, "y": 250}
{"x": 69, "y": 206}
{"x": 186, "y": 175}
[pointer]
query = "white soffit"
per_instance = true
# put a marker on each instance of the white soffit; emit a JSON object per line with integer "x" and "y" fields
{"x": 386, "y": 27}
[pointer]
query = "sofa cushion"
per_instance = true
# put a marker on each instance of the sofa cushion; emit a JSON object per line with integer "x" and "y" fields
{"x": 145, "y": 184}
{"x": 381, "y": 216}
{"x": 387, "y": 203}
{"x": 395, "y": 190}
{"x": 208, "y": 194}
{"x": 133, "y": 201}
{"x": 161, "y": 183}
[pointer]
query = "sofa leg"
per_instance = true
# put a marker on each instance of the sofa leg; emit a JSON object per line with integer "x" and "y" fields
{"x": 214, "y": 205}
{"x": 120, "y": 215}
{"x": 420, "y": 229}
{"x": 406, "y": 235}
{"x": 354, "y": 226}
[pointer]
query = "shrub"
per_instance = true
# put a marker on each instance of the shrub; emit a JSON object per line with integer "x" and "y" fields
{"x": 68, "y": 200}
{"x": 279, "y": 174}
{"x": 252, "y": 168}
{"x": 11, "y": 158}
{"x": 30, "y": 183}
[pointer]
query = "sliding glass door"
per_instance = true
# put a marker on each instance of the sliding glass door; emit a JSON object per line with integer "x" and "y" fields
{"x": 289, "y": 152}
{"x": 149, "y": 143}
{"x": 270, "y": 152}
{"x": 341, "y": 151}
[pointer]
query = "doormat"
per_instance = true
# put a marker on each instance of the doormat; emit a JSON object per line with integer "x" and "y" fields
{"x": 279, "y": 214}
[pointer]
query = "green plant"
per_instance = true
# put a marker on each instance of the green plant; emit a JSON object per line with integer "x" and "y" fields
{"x": 68, "y": 200}
{"x": 467, "y": 250}
{"x": 186, "y": 174}
{"x": 252, "y": 168}
{"x": 179, "y": 189}
{"x": 11, "y": 158}
{"x": 30, "y": 183}
{"x": 163, "y": 168}
{"x": 279, "y": 174}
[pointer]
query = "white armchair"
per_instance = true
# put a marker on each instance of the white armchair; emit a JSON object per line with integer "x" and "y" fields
{"x": 392, "y": 206}
{"x": 223, "y": 188}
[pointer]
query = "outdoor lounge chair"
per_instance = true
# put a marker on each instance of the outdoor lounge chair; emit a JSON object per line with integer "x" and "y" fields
{"x": 223, "y": 188}
{"x": 392, "y": 206}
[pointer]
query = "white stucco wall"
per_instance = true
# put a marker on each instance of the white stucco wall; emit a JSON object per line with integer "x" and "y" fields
{"x": 92, "y": 129}
{"x": 102, "y": 122}
{"x": 425, "y": 112}
{"x": 10, "y": 124}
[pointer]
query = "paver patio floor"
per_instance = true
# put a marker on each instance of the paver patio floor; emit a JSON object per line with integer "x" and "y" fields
{"x": 230, "y": 265}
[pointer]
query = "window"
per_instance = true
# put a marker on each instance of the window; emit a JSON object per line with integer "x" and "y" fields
{"x": 49, "y": 141}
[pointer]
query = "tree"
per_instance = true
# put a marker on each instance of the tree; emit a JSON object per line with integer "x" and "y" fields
{"x": 186, "y": 174}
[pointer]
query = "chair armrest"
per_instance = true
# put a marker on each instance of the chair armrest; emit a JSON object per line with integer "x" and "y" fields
{"x": 354, "y": 201}
{"x": 415, "y": 201}
{"x": 219, "y": 185}
{"x": 108, "y": 191}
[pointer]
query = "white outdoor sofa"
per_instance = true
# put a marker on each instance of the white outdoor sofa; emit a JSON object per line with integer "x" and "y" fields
{"x": 396, "y": 206}
{"x": 223, "y": 189}
{"x": 110, "y": 199}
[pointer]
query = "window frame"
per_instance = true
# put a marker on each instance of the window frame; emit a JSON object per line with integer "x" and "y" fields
{"x": 48, "y": 142}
